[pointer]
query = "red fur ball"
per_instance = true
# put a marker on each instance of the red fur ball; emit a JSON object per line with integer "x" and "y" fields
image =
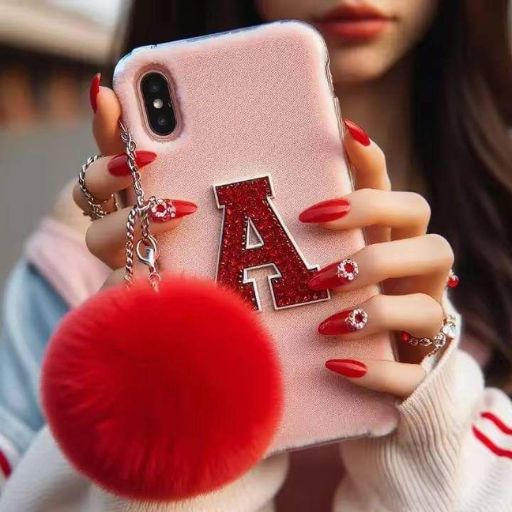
{"x": 162, "y": 395}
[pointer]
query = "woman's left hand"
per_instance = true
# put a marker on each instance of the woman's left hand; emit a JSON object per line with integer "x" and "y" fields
{"x": 414, "y": 267}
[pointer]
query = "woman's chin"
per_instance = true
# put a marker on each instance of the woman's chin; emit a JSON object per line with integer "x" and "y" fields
{"x": 351, "y": 67}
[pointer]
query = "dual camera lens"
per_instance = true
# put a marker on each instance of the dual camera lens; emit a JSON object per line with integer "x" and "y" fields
{"x": 156, "y": 94}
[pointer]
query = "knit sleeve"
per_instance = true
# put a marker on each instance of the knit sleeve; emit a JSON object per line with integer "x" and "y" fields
{"x": 31, "y": 309}
{"x": 60, "y": 487}
{"x": 452, "y": 449}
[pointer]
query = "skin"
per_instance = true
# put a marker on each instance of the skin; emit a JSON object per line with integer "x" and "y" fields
{"x": 372, "y": 78}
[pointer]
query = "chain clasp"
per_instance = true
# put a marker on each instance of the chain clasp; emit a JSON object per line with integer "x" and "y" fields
{"x": 147, "y": 252}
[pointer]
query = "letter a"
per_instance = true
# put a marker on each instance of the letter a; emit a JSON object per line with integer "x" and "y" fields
{"x": 249, "y": 214}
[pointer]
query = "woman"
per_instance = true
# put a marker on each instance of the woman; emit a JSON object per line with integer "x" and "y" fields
{"x": 429, "y": 81}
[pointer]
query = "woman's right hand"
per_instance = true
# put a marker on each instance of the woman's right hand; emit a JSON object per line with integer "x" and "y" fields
{"x": 109, "y": 175}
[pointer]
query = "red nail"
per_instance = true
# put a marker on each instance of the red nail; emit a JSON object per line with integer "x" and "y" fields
{"x": 334, "y": 275}
{"x": 347, "y": 367}
{"x": 453, "y": 281}
{"x": 168, "y": 209}
{"x": 325, "y": 211}
{"x": 344, "y": 322}
{"x": 118, "y": 166}
{"x": 357, "y": 133}
{"x": 405, "y": 336}
{"x": 94, "y": 89}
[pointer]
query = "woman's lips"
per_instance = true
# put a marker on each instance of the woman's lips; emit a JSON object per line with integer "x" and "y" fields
{"x": 353, "y": 23}
{"x": 360, "y": 30}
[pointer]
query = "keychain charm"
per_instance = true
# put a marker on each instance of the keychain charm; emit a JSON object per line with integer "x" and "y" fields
{"x": 119, "y": 367}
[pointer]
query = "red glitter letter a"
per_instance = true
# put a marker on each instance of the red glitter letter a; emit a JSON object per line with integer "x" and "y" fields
{"x": 247, "y": 208}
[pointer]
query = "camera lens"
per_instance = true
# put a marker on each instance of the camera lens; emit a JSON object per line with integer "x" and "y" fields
{"x": 162, "y": 121}
{"x": 153, "y": 87}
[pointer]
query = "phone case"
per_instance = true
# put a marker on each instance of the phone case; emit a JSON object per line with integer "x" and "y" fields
{"x": 259, "y": 135}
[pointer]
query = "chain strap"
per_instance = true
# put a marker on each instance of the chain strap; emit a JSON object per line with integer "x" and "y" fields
{"x": 146, "y": 249}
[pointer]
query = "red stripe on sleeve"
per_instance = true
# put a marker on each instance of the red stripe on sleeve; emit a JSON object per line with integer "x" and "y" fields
{"x": 497, "y": 450}
{"x": 492, "y": 417}
{"x": 5, "y": 466}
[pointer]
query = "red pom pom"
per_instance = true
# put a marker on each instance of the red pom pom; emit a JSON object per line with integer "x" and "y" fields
{"x": 162, "y": 395}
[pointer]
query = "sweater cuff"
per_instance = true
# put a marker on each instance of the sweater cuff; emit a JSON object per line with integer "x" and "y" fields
{"x": 444, "y": 400}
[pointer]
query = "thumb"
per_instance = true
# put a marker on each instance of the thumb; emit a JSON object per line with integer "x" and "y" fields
{"x": 107, "y": 112}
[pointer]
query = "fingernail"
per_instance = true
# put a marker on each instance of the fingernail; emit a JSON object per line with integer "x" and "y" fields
{"x": 357, "y": 133}
{"x": 94, "y": 89}
{"x": 405, "y": 336}
{"x": 453, "y": 280}
{"x": 344, "y": 322}
{"x": 325, "y": 211}
{"x": 118, "y": 166}
{"x": 347, "y": 367}
{"x": 167, "y": 209}
{"x": 334, "y": 275}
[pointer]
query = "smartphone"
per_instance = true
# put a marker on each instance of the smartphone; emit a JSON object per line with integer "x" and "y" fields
{"x": 246, "y": 124}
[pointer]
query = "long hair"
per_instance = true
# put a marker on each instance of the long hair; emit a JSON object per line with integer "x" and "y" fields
{"x": 462, "y": 109}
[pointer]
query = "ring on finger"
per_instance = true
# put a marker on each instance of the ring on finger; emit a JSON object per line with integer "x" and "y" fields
{"x": 447, "y": 333}
{"x": 97, "y": 210}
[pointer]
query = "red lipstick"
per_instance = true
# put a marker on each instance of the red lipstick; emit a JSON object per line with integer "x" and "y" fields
{"x": 353, "y": 23}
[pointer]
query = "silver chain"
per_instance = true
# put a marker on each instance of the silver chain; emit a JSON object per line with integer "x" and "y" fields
{"x": 146, "y": 249}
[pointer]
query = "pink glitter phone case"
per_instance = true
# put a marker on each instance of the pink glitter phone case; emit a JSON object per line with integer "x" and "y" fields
{"x": 258, "y": 129}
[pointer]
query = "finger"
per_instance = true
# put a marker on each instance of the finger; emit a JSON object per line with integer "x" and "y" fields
{"x": 407, "y": 213}
{"x": 368, "y": 164}
{"x": 106, "y": 119}
{"x": 107, "y": 176}
{"x": 66, "y": 211}
{"x": 106, "y": 237}
{"x": 418, "y": 314}
{"x": 366, "y": 158}
{"x": 399, "y": 379}
{"x": 424, "y": 260}
{"x": 117, "y": 277}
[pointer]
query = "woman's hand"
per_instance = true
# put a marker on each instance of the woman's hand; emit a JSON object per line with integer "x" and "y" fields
{"x": 110, "y": 175}
{"x": 413, "y": 266}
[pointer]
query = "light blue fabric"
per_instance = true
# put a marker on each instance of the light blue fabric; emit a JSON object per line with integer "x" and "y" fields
{"x": 31, "y": 310}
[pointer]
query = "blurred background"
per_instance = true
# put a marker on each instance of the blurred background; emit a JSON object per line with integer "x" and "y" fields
{"x": 49, "y": 51}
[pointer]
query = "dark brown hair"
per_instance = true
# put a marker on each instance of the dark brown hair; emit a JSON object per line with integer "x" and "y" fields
{"x": 462, "y": 109}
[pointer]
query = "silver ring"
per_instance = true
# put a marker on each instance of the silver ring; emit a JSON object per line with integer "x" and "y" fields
{"x": 447, "y": 333}
{"x": 96, "y": 207}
